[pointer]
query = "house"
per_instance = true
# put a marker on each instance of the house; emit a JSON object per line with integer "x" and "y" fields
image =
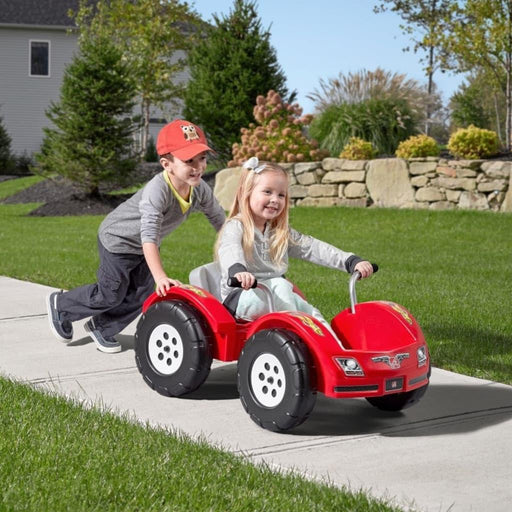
{"x": 37, "y": 41}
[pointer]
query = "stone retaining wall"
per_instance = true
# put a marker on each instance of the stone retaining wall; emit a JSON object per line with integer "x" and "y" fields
{"x": 434, "y": 183}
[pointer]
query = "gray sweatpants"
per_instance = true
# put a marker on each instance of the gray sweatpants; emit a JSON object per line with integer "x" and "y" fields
{"x": 124, "y": 283}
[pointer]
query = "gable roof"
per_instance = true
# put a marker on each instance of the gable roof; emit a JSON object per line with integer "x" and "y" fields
{"x": 40, "y": 13}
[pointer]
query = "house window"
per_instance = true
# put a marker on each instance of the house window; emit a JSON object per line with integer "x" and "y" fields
{"x": 39, "y": 58}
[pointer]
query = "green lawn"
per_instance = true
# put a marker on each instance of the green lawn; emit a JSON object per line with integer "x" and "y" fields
{"x": 57, "y": 456}
{"x": 451, "y": 269}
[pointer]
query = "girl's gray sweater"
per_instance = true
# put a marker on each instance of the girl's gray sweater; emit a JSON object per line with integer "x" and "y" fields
{"x": 304, "y": 247}
{"x": 152, "y": 213}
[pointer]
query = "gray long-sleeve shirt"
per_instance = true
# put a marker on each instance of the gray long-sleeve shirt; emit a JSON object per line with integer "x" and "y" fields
{"x": 305, "y": 247}
{"x": 152, "y": 213}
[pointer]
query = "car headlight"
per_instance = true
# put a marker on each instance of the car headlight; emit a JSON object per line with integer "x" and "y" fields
{"x": 350, "y": 366}
{"x": 422, "y": 355}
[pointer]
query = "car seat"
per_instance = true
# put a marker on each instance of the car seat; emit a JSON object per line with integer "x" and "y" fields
{"x": 207, "y": 277}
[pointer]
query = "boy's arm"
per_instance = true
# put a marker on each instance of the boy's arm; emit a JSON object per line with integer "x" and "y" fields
{"x": 211, "y": 208}
{"x": 152, "y": 255}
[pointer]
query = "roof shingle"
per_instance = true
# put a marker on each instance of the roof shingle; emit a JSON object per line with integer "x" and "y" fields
{"x": 37, "y": 12}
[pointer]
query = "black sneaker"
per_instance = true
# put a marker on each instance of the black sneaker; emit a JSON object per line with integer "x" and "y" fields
{"x": 105, "y": 344}
{"x": 62, "y": 330}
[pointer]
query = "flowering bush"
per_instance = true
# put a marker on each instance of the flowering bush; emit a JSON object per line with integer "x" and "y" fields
{"x": 278, "y": 136}
{"x": 417, "y": 146}
{"x": 358, "y": 149}
{"x": 473, "y": 143}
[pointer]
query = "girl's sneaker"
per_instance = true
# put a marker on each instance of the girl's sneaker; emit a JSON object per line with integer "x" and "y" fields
{"x": 63, "y": 330}
{"x": 103, "y": 343}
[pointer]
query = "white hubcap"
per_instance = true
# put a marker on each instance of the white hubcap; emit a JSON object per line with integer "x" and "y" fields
{"x": 267, "y": 379}
{"x": 165, "y": 349}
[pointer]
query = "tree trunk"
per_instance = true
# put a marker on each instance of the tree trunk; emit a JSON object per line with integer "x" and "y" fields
{"x": 144, "y": 136}
{"x": 432, "y": 29}
{"x": 429, "y": 89}
{"x": 508, "y": 70}
{"x": 498, "y": 120}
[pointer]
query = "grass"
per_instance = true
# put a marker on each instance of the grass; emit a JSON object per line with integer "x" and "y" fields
{"x": 10, "y": 187}
{"x": 450, "y": 269}
{"x": 58, "y": 456}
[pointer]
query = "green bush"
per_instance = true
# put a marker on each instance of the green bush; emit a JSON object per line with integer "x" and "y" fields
{"x": 90, "y": 140}
{"x": 279, "y": 136}
{"x": 358, "y": 149}
{"x": 151, "y": 154}
{"x": 473, "y": 143}
{"x": 417, "y": 146}
{"x": 229, "y": 67}
{"x": 5, "y": 148}
{"x": 383, "y": 122}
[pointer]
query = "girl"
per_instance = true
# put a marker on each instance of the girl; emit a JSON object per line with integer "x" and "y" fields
{"x": 256, "y": 241}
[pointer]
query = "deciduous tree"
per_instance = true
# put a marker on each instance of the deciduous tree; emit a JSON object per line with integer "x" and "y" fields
{"x": 481, "y": 38}
{"x": 429, "y": 19}
{"x": 230, "y": 66}
{"x": 154, "y": 36}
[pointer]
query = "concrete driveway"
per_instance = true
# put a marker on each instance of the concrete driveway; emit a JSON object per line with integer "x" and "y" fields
{"x": 452, "y": 451}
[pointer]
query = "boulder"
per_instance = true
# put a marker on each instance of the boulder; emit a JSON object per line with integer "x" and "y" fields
{"x": 388, "y": 184}
{"x": 226, "y": 183}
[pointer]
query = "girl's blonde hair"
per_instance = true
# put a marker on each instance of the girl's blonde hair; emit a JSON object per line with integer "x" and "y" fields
{"x": 241, "y": 210}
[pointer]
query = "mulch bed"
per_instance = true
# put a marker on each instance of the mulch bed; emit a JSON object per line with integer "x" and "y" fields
{"x": 61, "y": 197}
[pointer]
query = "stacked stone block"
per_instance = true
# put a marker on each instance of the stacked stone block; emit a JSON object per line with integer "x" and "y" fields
{"x": 427, "y": 183}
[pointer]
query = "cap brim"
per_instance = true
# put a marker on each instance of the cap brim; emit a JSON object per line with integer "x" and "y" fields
{"x": 190, "y": 151}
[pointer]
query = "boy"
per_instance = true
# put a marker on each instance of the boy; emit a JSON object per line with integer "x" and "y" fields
{"x": 129, "y": 239}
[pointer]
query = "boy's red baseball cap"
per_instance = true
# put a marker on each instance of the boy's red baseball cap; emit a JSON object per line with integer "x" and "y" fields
{"x": 182, "y": 139}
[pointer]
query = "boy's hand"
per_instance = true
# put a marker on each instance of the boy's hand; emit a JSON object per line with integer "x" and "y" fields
{"x": 365, "y": 269}
{"x": 163, "y": 285}
{"x": 246, "y": 278}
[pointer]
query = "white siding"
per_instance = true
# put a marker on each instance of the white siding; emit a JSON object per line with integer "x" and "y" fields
{"x": 24, "y": 99}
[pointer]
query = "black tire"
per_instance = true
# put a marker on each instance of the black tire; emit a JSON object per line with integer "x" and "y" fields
{"x": 172, "y": 348}
{"x": 398, "y": 401}
{"x": 276, "y": 380}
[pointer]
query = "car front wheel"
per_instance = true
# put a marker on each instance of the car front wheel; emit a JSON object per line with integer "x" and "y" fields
{"x": 275, "y": 380}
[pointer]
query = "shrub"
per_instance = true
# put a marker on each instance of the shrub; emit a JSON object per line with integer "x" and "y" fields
{"x": 383, "y": 122}
{"x": 417, "y": 146}
{"x": 151, "y": 154}
{"x": 278, "y": 137}
{"x": 90, "y": 142}
{"x": 5, "y": 148}
{"x": 473, "y": 143}
{"x": 229, "y": 67}
{"x": 358, "y": 149}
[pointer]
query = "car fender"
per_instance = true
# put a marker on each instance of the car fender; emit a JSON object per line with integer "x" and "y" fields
{"x": 321, "y": 344}
{"x": 222, "y": 325}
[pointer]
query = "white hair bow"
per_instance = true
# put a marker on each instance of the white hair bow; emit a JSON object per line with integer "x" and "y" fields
{"x": 253, "y": 165}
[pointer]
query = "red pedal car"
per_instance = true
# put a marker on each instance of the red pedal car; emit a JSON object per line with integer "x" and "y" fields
{"x": 284, "y": 358}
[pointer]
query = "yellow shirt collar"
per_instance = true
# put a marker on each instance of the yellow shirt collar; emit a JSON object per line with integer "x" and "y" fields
{"x": 184, "y": 204}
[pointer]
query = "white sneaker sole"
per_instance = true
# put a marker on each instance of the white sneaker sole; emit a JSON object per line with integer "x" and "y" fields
{"x": 50, "y": 320}
{"x": 99, "y": 346}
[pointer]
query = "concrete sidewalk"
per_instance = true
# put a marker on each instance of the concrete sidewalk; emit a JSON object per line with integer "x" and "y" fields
{"x": 452, "y": 451}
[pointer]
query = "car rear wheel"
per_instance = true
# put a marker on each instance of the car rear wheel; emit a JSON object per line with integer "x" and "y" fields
{"x": 275, "y": 380}
{"x": 172, "y": 348}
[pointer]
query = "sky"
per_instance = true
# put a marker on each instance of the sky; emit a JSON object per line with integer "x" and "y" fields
{"x": 319, "y": 39}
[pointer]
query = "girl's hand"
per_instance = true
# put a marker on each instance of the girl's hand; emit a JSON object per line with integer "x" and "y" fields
{"x": 365, "y": 269}
{"x": 163, "y": 285}
{"x": 246, "y": 278}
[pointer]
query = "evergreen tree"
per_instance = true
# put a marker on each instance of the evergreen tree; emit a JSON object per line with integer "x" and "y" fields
{"x": 5, "y": 148}
{"x": 230, "y": 66}
{"x": 92, "y": 138}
